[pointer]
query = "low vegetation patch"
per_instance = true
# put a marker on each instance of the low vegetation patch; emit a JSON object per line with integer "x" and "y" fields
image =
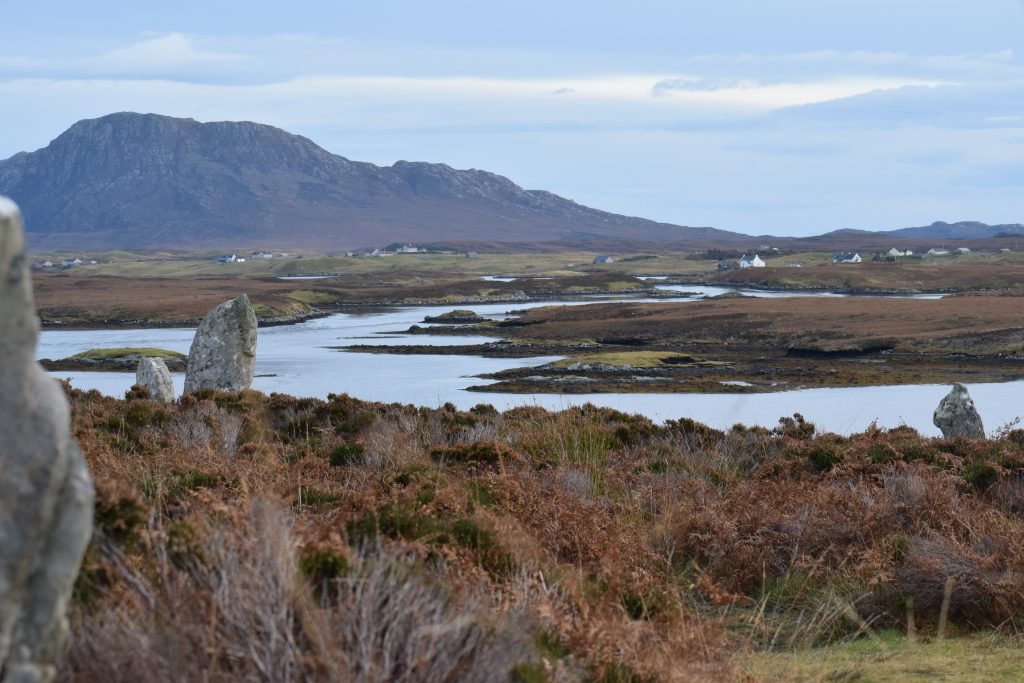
{"x": 128, "y": 352}
{"x": 243, "y": 536}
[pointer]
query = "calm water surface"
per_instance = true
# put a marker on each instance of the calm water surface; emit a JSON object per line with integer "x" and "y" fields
{"x": 294, "y": 359}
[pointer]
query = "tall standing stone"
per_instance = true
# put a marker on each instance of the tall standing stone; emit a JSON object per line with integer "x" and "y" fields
{"x": 153, "y": 374}
{"x": 223, "y": 353}
{"x": 46, "y": 496}
{"x": 957, "y": 416}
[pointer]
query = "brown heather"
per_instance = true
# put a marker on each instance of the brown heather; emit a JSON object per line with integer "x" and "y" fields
{"x": 268, "y": 538}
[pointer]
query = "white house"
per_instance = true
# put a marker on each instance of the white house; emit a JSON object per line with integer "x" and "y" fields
{"x": 937, "y": 252}
{"x": 604, "y": 259}
{"x": 963, "y": 250}
{"x": 68, "y": 262}
{"x": 747, "y": 262}
{"x": 227, "y": 258}
{"x": 407, "y": 249}
{"x": 49, "y": 264}
{"x": 846, "y": 257}
{"x": 894, "y": 252}
{"x": 261, "y": 254}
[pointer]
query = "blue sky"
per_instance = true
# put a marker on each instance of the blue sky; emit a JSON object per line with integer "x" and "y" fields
{"x": 786, "y": 117}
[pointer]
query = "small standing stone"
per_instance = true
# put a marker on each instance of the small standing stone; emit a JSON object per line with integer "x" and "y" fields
{"x": 957, "y": 416}
{"x": 223, "y": 353}
{"x": 156, "y": 378}
{"x": 46, "y": 496}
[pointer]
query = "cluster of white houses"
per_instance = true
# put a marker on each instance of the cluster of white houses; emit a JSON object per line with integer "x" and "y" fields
{"x": 65, "y": 263}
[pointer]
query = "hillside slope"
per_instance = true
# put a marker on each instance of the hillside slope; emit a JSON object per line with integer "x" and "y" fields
{"x": 131, "y": 180}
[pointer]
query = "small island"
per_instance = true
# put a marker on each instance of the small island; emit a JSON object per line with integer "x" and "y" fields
{"x": 123, "y": 359}
{"x": 456, "y": 317}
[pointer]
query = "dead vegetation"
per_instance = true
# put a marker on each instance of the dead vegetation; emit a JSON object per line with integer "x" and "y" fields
{"x": 251, "y": 537}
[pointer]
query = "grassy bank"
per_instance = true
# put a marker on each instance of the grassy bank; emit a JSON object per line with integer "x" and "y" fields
{"x": 243, "y": 536}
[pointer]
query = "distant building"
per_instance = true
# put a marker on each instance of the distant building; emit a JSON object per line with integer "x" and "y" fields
{"x": 261, "y": 254}
{"x": 894, "y": 252}
{"x": 227, "y": 258}
{"x": 471, "y": 254}
{"x": 604, "y": 259}
{"x": 1004, "y": 250}
{"x": 407, "y": 249}
{"x": 727, "y": 264}
{"x": 755, "y": 262}
{"x": 937, "y": 252}
{"x": 49, "y": 264}
{"x": 963, "y": 250}
{"x": 69, "y": 262}
{"x": 846, "y": 257}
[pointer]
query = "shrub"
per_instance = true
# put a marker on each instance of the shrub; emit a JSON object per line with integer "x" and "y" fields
{"x": 478, "y": 452}
{"x": 980, "y": 475}
{"x": 120, "y": 511}
{"x": 322, "y": 566}
{"x": 346, "y": 454}
{"x": 795, "y": 427}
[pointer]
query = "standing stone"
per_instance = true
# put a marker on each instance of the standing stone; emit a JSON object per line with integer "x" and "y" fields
{"x": 957, "y": 416}
{"x": 46, "y": 497}
{"x": 223, "y": 353}
{"x": 156, "y": 378}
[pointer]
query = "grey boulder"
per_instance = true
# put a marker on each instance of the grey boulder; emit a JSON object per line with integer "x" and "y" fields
{"x": 957, "y": 416}
{"x": 153, "y": 374}
{"x": 223, "y": 352}
{"x": 46, "y": 496}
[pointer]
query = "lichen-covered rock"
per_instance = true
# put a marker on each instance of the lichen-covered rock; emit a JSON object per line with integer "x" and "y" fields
{"x": 223, "y": 353}
{"x": 46, "y": 496}
{"x": 957, "y": 416}
{"x": 153, "y": 374}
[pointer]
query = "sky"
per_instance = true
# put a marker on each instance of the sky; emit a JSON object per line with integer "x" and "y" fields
{"x": 787, "y": 117}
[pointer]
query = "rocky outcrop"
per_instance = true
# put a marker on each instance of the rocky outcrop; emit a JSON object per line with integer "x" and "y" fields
{"x": 153, "y": 374}
{"x": 46, "y": 496}
{"x": 223, "y": 352}
{"x": 957, "y": 416}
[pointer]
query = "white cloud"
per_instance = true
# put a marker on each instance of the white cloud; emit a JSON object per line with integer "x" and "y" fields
{"x": 160, "y": 52}
{"x": 758, "y": 133}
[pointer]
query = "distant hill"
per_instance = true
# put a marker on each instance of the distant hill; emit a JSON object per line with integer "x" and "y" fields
{"x": 940, "y": 230}
{"x": 142, "y": 180}
{"x": 961, "y": 230}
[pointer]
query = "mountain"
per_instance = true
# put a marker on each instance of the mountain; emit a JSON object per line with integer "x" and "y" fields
{"x": 940, "y": 230}
{"x": 142, "y": 180}
{"x": 961, "y": 230}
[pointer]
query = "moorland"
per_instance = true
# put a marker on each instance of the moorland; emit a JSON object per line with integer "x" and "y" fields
{"x": 246, "y": 536}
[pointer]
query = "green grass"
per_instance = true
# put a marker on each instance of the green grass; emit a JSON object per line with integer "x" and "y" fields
{"x": 311, "y": 297}
{"x": 891, "y": 656}
{"x": 104, "y": 354}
